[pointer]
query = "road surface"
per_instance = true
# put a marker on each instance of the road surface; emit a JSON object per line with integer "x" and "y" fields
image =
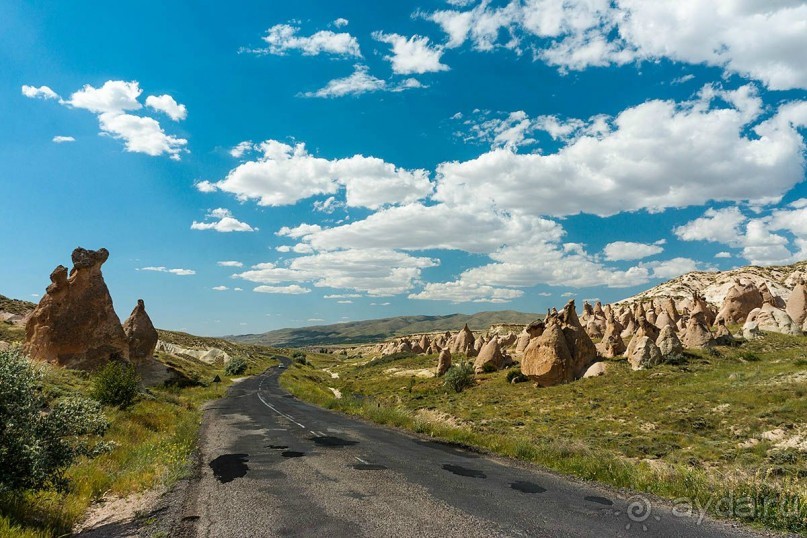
{"x": 271, "y": 465}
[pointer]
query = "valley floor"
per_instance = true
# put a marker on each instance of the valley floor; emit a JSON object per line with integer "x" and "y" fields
{"x": 723, "y": 432}
{"x": 270, "y": 465}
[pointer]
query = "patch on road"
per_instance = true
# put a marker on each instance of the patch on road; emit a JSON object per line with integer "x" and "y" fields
{"x": 599, "y": 500}
{"x": 277, "y": 447}
{"x": 369, "y": 467}
{"x": 332, "y": 442}
{"x": 292, "y": 454}
{"x": 463, "y": 471}
{"x": 228, "y": 467}
{"x": 527, "y": 487}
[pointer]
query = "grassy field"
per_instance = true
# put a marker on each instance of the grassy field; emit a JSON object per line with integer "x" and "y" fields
{"x": 153, "y": 440}
{"x": 729, "y": 424}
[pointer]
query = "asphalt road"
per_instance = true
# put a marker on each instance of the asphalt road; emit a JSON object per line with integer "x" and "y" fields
{"x": 271, "y": 465}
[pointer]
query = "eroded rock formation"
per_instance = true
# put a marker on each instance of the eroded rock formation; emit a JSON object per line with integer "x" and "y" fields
{"x": 443, "y": 362}
{"x": 739, "y": 302}
{"x": 75, "y": 324}
{"x": 140, "y": 334}
{"x": 562, "y": 353}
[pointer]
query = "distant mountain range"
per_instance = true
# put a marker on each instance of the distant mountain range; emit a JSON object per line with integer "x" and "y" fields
{"x": 376, "y": 330}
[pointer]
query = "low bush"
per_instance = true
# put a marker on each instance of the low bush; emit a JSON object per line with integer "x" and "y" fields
{"x": 386, "y": 359}
{"x": 36, "y": 446}
{"x": 748, "y": 356}
{"x": 236, "y": 366}
{"x": 515, "y": 376}
{"x": 116, "y": 384}
{"x": 676, "y": 359}
{"x": 460, "y": 376}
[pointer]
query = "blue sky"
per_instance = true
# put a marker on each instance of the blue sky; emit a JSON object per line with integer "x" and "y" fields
{"x": 257, "y": 165}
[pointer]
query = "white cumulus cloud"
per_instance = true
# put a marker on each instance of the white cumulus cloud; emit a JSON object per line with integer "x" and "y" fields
{"x": 62, "y": 139}
{"x": 627, "y": 250}
{"x": 167, "y": 105}
{"x": 657, "y": 155}
{"x": 162, "y": 269}
{"x": 223, "y": 221}
{"x": 413, "y": 55}
{"x": 282, "y": 38}
{"x": 293, "y": 289}
{"x": 757, "y": 39}
{"x": 286, "y": 174}
{"x": 361, "y": 82}
{"x": 112, "y": 103}
{"x": 42, "y": 92}
{"x": 377, "y": 272}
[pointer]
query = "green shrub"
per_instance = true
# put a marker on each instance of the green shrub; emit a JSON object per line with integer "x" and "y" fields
{"x": 37, "y": 442}
{"x": 236, "y": 366}
{"x": 515, "y": 376}
{"x": 460, "y": 376}
{"x": 748, "y": 356}
{"x": 301, "y": 360}
{"x": 676, "y": 359}
{"x": 116, "y": 384}
{"x": 298, "y": 355}
{"x": 386, "y": 359}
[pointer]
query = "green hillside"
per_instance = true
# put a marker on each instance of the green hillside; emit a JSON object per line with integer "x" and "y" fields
{"x": 15, "y": 306}
{"x": 359, "y": 332}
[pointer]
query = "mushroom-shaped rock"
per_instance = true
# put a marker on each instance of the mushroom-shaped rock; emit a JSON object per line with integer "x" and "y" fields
{"x": 645, "y": 328}
{"x": 723, "y": 336}
{"x": 611, "y": 344}
{"x": 644, "y": 353}
{"x": 75, "y": 324}
{"x": 664, "y": 320}
{"x": 629, "y": 329}
{"x": 443, "y": 362}
{"x": 562, "y": 353}
{"x": 700, "y": 306}
{"x": 667, "y": 305}
{"x": 463, "y": 342}
{"x": 697, "y": 334}
{"x": 740, "y": 300}
{"x": 533, "y": 330}
{"x": 548, "y": 360}
{"x": 140, "y": 333}
{"x": 668, "y": 342}
{"x": 796, "y": 306}
{"x": 490, "y": 357}
{"x": 588, "y": 313}
{"x": 598, "y": 311}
